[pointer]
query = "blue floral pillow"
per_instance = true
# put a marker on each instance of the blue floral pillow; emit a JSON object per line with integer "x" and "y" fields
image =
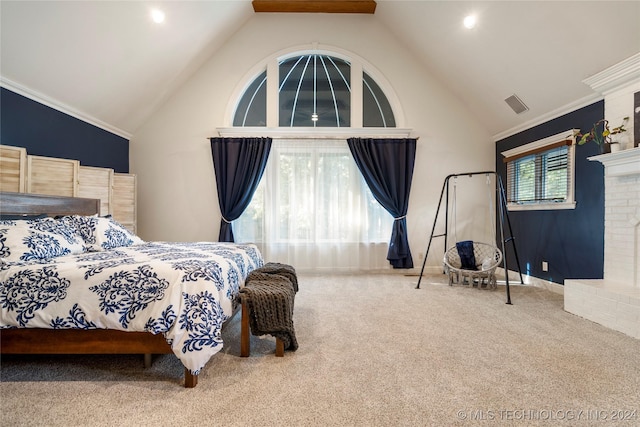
{"x": 101, "y": 233}
{"x": 35, "y": 240}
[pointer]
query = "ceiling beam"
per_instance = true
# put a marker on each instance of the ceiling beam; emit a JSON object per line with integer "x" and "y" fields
{"x": 315, "y": 6}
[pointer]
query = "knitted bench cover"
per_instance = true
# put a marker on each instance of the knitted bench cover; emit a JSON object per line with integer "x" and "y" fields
{"x": 277, "y": 268}
{"x": 270, "y": 298}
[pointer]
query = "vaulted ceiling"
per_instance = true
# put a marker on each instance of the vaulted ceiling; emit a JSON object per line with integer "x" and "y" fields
{"x": 106, "y": 62}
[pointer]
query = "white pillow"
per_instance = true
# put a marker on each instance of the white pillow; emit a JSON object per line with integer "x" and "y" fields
{"x": 101, "y": 233}
{"x": 40, "y": 239}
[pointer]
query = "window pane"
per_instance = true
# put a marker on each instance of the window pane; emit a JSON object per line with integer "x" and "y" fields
{"x": 295, "y": 197}
{"x": 252, "y": 108}
{"x": 525, "y": 189}
{"x": 555, "y": 179}
{"x": 314, "y": 91}
{"x": 376, "y": 110}
{"x": 335, "y": 178}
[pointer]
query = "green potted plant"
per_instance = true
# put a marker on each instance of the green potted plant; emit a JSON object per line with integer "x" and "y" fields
{"x": 601, "y": 134}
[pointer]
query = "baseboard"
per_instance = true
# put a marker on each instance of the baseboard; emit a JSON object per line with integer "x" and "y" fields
{"x": 514, "y": 279}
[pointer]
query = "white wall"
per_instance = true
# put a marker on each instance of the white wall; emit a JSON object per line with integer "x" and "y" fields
{"x": 177, "y": 199}
{"x": 618, "y": 104}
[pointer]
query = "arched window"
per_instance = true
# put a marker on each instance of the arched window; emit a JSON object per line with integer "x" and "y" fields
{"x": 314, "y": 90}
{"x": 312, "y": 208}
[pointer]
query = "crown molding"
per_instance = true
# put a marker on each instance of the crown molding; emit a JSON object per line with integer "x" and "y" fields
{"x": 606, "y": 81}
{"x": 616, "y": 76}
{"x": 63, "y": 108}
{"x": 553, "y": 114}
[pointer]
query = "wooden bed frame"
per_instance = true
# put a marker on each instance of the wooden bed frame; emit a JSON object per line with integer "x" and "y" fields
{"x": 75, "y": 341}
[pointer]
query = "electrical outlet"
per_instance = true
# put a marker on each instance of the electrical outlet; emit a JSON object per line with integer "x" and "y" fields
{"x": 545, "y": 266}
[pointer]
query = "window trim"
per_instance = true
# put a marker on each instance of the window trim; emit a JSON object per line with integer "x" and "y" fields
{"x": 314, "y": 133}
{"x": 540, "y": 146}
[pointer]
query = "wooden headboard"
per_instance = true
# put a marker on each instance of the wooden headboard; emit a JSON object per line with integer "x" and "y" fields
{"x": 36, "y": 204}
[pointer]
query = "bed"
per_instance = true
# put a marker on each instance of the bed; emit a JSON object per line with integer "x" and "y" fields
{"x": 72, "y": 282}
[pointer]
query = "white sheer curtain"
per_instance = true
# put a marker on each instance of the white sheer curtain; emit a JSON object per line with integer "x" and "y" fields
{"x": 314, "y": 211}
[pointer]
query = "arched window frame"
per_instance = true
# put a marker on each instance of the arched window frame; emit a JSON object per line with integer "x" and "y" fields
{"x": 358, "y": 66}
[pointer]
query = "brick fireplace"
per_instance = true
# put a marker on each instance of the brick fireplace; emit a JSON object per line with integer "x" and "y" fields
{"x": 614, "y": 301}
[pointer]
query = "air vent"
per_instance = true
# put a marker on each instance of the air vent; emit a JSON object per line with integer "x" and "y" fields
{"x": 516, "y": 104}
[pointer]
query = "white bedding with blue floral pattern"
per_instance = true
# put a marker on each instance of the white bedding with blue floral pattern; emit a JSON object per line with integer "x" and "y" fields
{"x": 182, "y": 290}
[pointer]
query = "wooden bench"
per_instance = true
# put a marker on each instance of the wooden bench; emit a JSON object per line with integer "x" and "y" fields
{"x": 245, "y": 332}
{"x": 275, "y": 285}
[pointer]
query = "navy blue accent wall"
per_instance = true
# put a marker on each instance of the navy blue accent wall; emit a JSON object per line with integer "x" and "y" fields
{"x": 571, "y": 241}
{"x": 44, "y": 131}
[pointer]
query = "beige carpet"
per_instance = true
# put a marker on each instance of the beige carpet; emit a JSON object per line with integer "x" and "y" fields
{"x": 374, "y": 351}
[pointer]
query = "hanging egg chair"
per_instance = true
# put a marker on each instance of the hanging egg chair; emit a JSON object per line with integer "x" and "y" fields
{"x": 473, "y": 263}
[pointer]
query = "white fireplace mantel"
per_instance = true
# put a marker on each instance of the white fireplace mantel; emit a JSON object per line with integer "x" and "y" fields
{"x": 614, "y": 301}
{"x": 625, "y": 162}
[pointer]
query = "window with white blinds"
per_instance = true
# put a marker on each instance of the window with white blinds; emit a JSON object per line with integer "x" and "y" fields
{"x": 540, "y": 174}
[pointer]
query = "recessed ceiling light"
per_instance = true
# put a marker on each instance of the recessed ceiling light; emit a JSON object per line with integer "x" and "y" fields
{"x": 470, "y": 21}
{"x": 158, "y": 16}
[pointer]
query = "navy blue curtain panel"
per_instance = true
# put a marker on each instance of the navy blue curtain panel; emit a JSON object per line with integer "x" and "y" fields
{"x": 387, "y": 168}
{"x": 239, "y": 164}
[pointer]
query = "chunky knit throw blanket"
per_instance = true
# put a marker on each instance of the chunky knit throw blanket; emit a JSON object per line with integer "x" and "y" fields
{"x": 277, "y": 268}
{"x": 270, "y": 298}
